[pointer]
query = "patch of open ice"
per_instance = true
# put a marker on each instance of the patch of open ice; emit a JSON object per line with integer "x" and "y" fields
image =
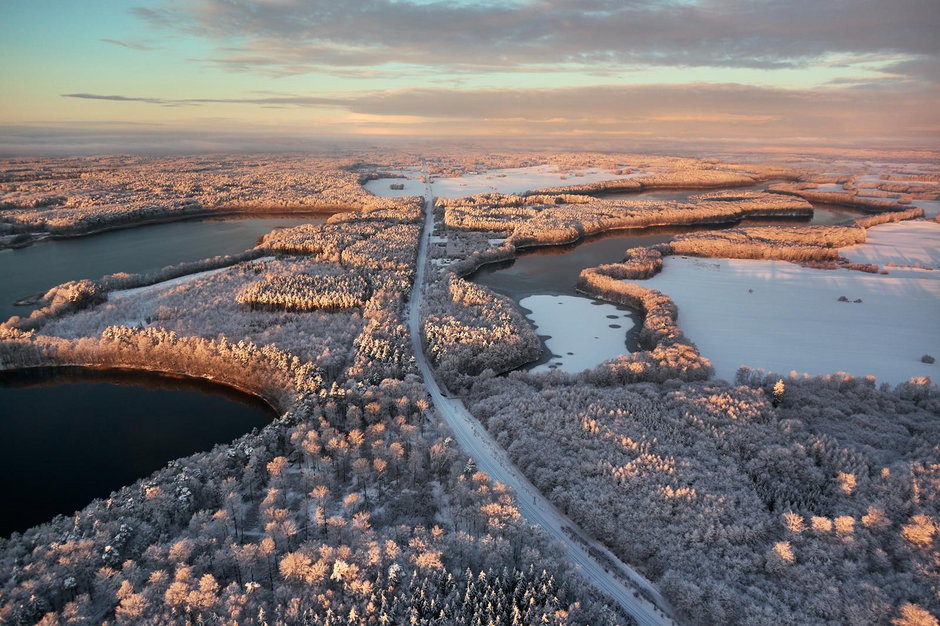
{"x": 412, "y": 185}
{"x": 583, "y": 332}
{"x": 509, "y": 180}
{"x": 931, "y": 207}
{"x": 782, "y": 317}
{"x": 907, "y": 243}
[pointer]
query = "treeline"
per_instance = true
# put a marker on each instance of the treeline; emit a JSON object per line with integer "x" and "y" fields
{"x": 121, "y": 280}
{"x": 382, "y": 247}
{"x": 511, "y": 204}
{"x": 383, "y": 347}
{"x": 885, "y": 218}
{"x": 478, "y": 258}
{"x": 469, "y": 329}
{"x": 688, "y": 175}
{"x": 816, "y": 503}
{"x": 667, "y": 353}
{"x": 109, "y": 192}
{"x": 848, "y": 198}
{"x": 61, "y": 300}
{"x": 273, "y": 374}
{"x": 553, "y": 224}
{"x": 270, "y": 301}
{"x": 303, "y": 292}
{"x": 926, "y": 188}
{"x": 785, "y": 243}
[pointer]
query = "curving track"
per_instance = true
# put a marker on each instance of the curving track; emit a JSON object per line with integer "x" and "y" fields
{"x": 593, "y": 561}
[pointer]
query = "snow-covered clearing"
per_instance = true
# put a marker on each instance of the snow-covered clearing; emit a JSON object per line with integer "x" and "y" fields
{"x": 582, "y": 332}
{"x": 510, "y": 180}
{"x": 782, "y": 317}
{"x": 830, "y": 188}
{"x": 909, "y": 243}
{"x": 173, "y": 282}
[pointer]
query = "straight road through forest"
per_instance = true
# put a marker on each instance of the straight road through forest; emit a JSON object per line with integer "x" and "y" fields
{"x": 592, "y": 560}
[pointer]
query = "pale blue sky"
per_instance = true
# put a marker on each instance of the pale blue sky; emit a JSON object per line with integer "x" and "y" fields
{"x": 320, "y": 67}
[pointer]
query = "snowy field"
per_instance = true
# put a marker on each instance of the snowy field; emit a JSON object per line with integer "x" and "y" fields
{"x": 782, "y": 317}
{"x": 905, "y": 244}
{"x": 511, "y": 180}
{"x": 118, "y": 294}
{"x": 582, "y": 332}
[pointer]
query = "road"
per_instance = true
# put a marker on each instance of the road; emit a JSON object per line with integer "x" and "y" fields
{"x": 594, "y": 565}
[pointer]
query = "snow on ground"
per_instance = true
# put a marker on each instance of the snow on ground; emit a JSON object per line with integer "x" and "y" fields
{"x": 830, "y": 188}
{"x": 510, "y": 180}
{"x": 582, "y": 332}
{"x": 173, "y": 282}
{"x": 782, "y": 317}
{"x": 909, "y": 243}
{"x": 383, "y": 186}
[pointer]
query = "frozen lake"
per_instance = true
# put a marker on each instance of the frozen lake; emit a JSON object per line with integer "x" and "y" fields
{"x": 910, "y": 243}
{"x": 782, "y": 317}
{"x": 581, "y": 332}
{"x": 509, "y": 180}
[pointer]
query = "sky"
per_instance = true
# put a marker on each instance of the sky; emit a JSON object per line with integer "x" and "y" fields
{"x": 189, "y": 75}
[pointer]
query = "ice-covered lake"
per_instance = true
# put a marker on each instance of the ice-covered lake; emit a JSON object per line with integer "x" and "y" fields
{"x": 782, "y": 317}
{"x": 509, "y": 180}
{"x": 909, "y": 243}
{"x": 581, "y": 333}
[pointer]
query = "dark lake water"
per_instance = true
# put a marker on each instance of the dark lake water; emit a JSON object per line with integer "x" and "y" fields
{"x": 554, "y": 270}
{"x": 34, "y": 269}
{"x": 71, "y": 435}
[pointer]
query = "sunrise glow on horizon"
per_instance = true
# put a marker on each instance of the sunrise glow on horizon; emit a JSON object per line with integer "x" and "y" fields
{"x": 162, "y": 73}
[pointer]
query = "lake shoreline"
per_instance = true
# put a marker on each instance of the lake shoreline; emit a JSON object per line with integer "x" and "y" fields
{"x": 14, "y": 241}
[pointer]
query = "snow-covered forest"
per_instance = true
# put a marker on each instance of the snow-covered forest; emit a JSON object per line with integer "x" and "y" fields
{"x": 767, "y": 499}
{"x": 59, "y": 197}
{"x": 821, "y": 509}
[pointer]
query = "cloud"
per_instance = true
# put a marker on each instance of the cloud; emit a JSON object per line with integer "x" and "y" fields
{"x": 114, "y": 98}
{"x": 925, "y": 68}
{"x": 128, "y": 44}
{"x": 289, "y": 100}
{"x": 856, "y": 113}
{"x": 293, "y": 37}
